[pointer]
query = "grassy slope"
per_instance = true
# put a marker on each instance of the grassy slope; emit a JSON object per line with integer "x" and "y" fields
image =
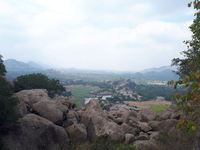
{"x": 159, "y": 107}
{"x": 81, "y": 92}
{"x": 155, "y": 106}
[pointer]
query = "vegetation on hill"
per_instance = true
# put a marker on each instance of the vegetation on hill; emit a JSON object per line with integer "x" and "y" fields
{"x": 39, "y": 81}
{"x": 150, "y": 92}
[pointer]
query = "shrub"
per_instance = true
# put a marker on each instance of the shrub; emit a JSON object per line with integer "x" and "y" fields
{"x": 39, "y": 81}
{"x": 8, "y": 115}
{"x": 103, "y": 143}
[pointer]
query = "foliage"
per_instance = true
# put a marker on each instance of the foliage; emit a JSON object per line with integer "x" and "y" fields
{"x": 191, "y": 61}
{"x": 5, "y": 88}
{"x": 7, "y": 103}
{"x": 2, "y": 67}
{"x": 39, "y": 81}
{"x": 175, "y": 140}
{"x": 187, "y": 126}
{"x": 103, "y": 143}
{"x": 149, "y": 92}
{"x": 189, "y": 71}
{"x": 8, "y": 113}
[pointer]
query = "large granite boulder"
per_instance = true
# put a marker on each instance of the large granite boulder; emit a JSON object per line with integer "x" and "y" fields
{"x": 129, "y": 129}
{"x": 143, "y": 126}
{"x": 65, "y": 101}
{"x": 29, "y": 97}
{"x": 77, "y": 133}
{"x": 129, "y": 138}
{"x": 72, "y": 118}
{"x": 36, "y": 133}
{"x": 32, "y": 96}
{"x": 54, "y": 111}
{"x": 146, "y": 115}
{"x": 98, "y": 124}
{"x": 168, "y": 124}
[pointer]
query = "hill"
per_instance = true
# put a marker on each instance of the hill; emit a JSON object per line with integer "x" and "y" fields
{"x": 16, "y": 68}
{"x": 164, "y": 73}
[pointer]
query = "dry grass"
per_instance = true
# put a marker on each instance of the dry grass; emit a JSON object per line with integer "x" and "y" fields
{"x": 154, "y": 105}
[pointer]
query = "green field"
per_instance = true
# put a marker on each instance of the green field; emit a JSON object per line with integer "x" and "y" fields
{"x": 159, "y": 107}
{"x": 81, "y": 92}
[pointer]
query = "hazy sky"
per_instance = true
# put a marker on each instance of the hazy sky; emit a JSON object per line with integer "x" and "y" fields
{"x": 126, "y": 35}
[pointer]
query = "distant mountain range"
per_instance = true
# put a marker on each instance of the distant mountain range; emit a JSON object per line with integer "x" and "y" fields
{"x": 162, "y": 73}
{"x": 18, "y": 66}
{"x": 15, "y": 68}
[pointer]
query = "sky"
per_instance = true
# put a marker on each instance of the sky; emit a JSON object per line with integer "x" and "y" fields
{"x": 120, "y": 35}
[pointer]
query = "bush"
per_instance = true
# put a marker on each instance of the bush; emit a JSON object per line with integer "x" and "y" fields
{"x": 8, "y": 105}
{"x": 103, "y": 143}
{"x": 39, "y": 81}
{"x": 175, "y": 140}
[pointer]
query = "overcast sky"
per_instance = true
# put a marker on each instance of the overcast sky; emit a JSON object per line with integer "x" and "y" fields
{"x": 126, "y": 35}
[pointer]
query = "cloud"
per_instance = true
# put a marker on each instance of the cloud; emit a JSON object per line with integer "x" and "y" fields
{"x": 101, "y": 34}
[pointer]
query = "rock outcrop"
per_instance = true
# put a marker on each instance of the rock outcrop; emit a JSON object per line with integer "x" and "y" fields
{"x": 36, "y": 133}
{"x": 98, "y": 124}
{"x": 53, "y": 124}
{"x": 51, "y": 110}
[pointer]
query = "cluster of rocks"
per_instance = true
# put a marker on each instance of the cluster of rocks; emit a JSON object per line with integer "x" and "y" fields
{"x": 53, "y": 124}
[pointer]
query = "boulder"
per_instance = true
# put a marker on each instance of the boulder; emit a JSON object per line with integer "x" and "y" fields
{"x": 146, "y": 145}
{"x": 154, "y": 135}
{"x": 133, "y": 121}
{"x": 27, "y": 98}
{"x": 143, "y": 136}
{"x": 168, "y": 114}
{"x": 22, "y": 109}
{"x": 77, "y": 133}
{"x": 128, "y": 129}
{"x": 32, "y": 96}
{"x": 155, "y": 125}
{"x": 168, "y": 124}
{"x": 93, "y": 105}
{"x": 65, "y": 101}
{"x": 72, "y": 118}
{"x": 121, "y": 113}
{"x": 98, "y": 124}
{"x": 51, "y": 110}
{"x": 146, "y": 115}
{"x": 36, "y": 133}
{"x": 129, "y": 138}
{"x": 144, "y": 127}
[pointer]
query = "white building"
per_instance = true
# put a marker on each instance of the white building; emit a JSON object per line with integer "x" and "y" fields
{"x": 105, "y": 97}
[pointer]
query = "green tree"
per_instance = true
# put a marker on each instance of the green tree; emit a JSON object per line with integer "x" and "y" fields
{"x": 189, "y": 71}
{"x": 191, "y": 61}
{"x": 39, "y": 81}
{"x": 2, "y": 67}
{"x": 8, "y": 115}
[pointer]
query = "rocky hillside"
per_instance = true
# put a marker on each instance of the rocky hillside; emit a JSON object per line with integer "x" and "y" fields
{"x": 55, "y": 124}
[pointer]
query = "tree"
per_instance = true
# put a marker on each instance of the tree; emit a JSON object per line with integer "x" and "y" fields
{"x": 39, "y": 81}
{"x": 8, "y": 104}
{"x": 2, "y": 67}
{"x": 191, "y": 61}
{"x": 189, "y": 71}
